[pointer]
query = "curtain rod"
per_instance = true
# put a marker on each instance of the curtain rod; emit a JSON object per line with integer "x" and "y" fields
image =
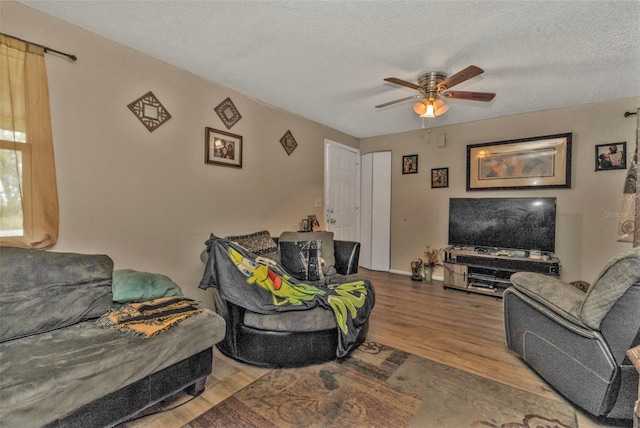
{"x": 46, "y": 48}
{"x": 628, "y": 113}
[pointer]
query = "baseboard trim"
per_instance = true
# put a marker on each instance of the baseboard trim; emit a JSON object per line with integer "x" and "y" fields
{"x": 407, "y": 273}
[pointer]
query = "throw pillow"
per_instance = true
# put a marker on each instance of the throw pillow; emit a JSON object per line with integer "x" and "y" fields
{"x": 259, "y": 243}
{"x": 133, "y": 286}
{"x": 302, "y": 259}
{"x": 327, "y": 252}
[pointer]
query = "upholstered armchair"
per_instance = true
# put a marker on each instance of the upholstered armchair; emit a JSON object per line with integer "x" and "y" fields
{"x": 294, "y": 338}
{"x": 577, "y": 339}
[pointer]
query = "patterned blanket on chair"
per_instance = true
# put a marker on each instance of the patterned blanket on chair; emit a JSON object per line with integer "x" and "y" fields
{"x": 262, "y": 286}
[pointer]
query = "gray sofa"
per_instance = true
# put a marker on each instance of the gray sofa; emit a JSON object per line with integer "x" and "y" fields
{"x": 59, "y": 369}
{"x": 577, "y": 339}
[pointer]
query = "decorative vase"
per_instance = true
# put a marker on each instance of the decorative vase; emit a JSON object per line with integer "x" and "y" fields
{"x": 428, "y": 272}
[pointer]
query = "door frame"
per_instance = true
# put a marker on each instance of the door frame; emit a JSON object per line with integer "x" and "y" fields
{"x": 328, "y": 144}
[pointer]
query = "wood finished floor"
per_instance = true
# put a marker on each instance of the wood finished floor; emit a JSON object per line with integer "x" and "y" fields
{"x": 465, "y": 331}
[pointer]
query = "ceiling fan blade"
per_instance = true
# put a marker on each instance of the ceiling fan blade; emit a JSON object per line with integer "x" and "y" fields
{"x": 402, "y": 82}
{"x": 474, "y": 96}
{"x": 459, "y": 77}
{"x": 398, "y": 101}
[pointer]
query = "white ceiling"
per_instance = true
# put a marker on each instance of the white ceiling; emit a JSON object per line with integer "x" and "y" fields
{"x": 326, "y": 60}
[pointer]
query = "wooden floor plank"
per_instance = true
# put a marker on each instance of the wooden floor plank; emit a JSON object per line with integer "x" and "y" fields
{"x": 465, "y": 331}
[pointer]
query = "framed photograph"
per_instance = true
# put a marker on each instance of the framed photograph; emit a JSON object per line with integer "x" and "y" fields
{"x": 439, "y": 177}
{"x": 527, "y": 163}
{"x": 611, "y": 156}
{"x": 313, "y": 220}
{"x": 410, "y": 164}
{"x": 222, "y": 148}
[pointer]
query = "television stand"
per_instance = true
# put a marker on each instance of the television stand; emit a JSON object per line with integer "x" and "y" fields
{"x": 484, "y": 273}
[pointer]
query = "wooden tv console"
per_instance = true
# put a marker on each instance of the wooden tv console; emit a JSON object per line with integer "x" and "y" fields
{"x": 485, "y": 273}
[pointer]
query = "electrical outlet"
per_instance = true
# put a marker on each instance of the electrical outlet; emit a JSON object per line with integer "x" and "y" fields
{"x": 319, "y": 202}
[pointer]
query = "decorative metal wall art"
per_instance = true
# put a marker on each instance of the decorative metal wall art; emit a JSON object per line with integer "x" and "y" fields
{"x": 228, "y": 113}
{"x": 149, "y": 111}
{"x": 288, "y": 142}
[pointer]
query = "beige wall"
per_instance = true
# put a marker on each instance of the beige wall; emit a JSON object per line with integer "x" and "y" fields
{"x": 148, "y": 200}
{"x": 586, "y": 227}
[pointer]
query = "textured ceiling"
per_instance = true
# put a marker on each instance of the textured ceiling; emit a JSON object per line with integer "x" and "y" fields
{"x": 326, "y": 60}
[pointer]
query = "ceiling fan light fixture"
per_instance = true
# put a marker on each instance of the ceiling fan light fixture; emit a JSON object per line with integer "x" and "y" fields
{"x": 440, "y": 107}
{"x": 429, "y": 109}
{"x": 419, "y": 108}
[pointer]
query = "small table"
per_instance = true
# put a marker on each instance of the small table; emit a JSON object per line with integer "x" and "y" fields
{"x": 634, "y": 356}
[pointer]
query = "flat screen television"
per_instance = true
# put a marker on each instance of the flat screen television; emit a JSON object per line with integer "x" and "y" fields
{"x": 504, "y": 223}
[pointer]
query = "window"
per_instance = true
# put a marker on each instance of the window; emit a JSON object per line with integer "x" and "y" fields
{"x": 14, "y": 192}
{"x": 28, "y": 192}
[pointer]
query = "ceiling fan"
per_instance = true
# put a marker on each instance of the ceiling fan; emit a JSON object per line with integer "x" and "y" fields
{"x": 433, "y": 86}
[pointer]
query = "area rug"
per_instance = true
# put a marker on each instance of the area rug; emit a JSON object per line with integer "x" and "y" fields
{"x": 379, "y": 386}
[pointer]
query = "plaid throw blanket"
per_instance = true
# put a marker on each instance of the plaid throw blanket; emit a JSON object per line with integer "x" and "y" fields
{"x": 150, "y": 318}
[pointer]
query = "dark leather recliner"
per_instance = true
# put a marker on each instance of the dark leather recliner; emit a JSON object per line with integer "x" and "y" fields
{"x": 577, "y": 340}
{"x": 248, "y": 340}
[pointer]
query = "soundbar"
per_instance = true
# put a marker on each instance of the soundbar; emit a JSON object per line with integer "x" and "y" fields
{"x": 516, "y": 265}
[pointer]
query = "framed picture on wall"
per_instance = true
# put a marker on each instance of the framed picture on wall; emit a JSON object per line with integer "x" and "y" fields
{"x": 611, "y": 156}
{"x": 439, "y": 177}
{"x": 527, "y": 163}
{"x": 410, "y": 164}
{"x": 222, "y": 148}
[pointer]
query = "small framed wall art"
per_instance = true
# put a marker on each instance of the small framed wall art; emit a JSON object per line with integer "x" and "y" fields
{"x": 222, "y": 148}
{"x": 439, "y": 177}
{"x": 611, "y": 156}
{"x": 410, "y": 164}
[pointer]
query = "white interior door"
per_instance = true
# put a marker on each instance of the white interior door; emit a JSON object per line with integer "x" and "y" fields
{"x": 342, "y": 190}
{"x": 375, "y": 250}
{"x": 366, "y": 210}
